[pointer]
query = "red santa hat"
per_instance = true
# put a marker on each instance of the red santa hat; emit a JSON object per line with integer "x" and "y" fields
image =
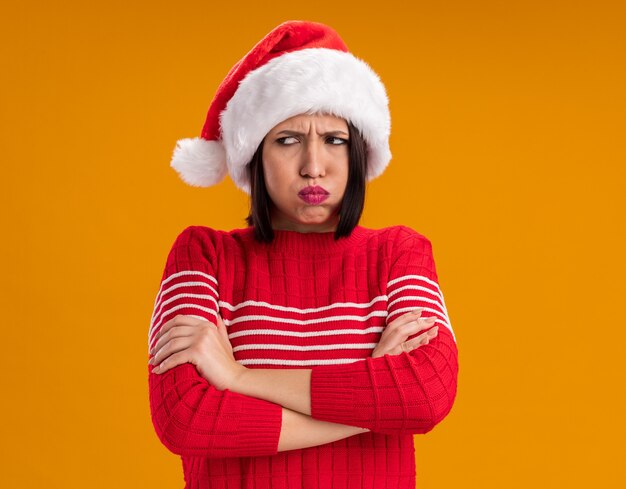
{"x": 299, "y": 67}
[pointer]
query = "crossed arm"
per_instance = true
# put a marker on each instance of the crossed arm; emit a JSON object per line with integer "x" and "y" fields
{"x": 295, "y": 408}
{"x": 194, "y": 340}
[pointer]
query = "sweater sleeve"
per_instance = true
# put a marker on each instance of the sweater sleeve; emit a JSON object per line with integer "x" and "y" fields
{"x": 405, "y": 393}
{"x": 190, "y": 416}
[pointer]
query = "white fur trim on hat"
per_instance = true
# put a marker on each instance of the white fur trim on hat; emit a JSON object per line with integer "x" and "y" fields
{"x": 199, "y": 162}
{"x": 306, "y": 81}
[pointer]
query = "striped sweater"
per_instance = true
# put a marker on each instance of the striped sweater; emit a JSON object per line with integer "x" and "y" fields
{"x": 304, "y": 301}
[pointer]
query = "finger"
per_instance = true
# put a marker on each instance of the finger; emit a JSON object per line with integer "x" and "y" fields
{"x": 174, "y": 332}
{"x": 173, "y": 346}
{"x": 432, "y": 332}
{"x": 404, "y": 331}
{"x": 415, "y": 312}
{"x": 223, "y": 330}
{"x": 423, "y": 339}
{"x": 405, "y": 346}
{"x": 409, "y": 346}
{"x": 400, "y": 334}
{"x": 171, "y": 362}
{"x": 428, "y": 322}
{"x": 220, "y": 321}
{"x": 418, "y": 341}
{"x": 409, "y": 316}
{"x": 178, "y": 320}
{"x": 424, "y": 323}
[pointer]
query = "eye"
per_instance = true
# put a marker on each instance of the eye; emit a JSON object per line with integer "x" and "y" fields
{"x": 282, "y": 140}
{"x": 337, "y": 141}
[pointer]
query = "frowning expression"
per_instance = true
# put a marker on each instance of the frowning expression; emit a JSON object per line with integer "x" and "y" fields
{"x": 305, "y": 166}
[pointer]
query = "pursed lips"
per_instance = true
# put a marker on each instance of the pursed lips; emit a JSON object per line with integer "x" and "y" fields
{"x": 315, "y": 190}
{"x": 313, "y": 195}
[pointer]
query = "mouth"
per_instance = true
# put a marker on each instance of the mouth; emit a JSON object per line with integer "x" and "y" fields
{"x": 312, "y": 198}
{"x": 314, "y": 195}
{"x": 316, "y": 190}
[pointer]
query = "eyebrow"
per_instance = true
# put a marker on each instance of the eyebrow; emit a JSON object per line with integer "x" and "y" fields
{"x": 296, "y": 133}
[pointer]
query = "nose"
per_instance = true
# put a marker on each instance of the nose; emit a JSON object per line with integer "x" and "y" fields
{"x": 312, "y": 165}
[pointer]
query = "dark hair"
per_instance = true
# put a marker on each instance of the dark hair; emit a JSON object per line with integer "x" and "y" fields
{"x": 351, "y": 205}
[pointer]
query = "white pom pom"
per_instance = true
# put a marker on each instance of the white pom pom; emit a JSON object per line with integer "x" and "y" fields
{"x": 199, "y": 162}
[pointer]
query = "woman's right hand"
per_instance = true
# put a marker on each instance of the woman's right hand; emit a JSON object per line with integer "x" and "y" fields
{"x": 393, "y": 340}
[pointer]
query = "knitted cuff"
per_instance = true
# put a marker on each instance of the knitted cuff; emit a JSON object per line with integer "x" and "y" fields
{"x": 342, "y": 394}
{"x": 259, "y": 427}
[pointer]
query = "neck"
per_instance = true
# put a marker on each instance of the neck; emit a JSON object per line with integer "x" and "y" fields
{"x": 326, "y": 227}
{"x": 319, "y": 242}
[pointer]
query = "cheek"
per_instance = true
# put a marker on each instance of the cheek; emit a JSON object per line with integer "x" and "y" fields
{"x": 275, "y": 182}
{"x": 269, "y": 171}
{"x": 345, "y": 170}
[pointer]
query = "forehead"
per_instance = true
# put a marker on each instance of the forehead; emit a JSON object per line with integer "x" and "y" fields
{"x": 327, "y": 122}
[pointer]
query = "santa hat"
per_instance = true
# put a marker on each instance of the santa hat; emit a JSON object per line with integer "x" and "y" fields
{"x": 299, "y": 67}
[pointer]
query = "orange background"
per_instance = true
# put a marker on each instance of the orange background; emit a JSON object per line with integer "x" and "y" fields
{"x": 508, "y": 125}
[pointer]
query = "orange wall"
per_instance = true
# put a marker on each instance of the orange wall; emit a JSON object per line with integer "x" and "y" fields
{"x": 508, "y": 123}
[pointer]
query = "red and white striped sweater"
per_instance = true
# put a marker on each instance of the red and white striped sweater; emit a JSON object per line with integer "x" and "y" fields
{"x": 304, "y": 301}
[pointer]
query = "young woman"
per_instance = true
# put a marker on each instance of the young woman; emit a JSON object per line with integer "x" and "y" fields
{"x": 293, "y": 352}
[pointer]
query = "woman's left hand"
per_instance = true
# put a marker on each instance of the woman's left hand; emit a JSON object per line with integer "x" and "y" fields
{"x": 185, "y": 339}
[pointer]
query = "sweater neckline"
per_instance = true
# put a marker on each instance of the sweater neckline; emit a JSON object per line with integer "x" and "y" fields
{"x": 286, "y": 240}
